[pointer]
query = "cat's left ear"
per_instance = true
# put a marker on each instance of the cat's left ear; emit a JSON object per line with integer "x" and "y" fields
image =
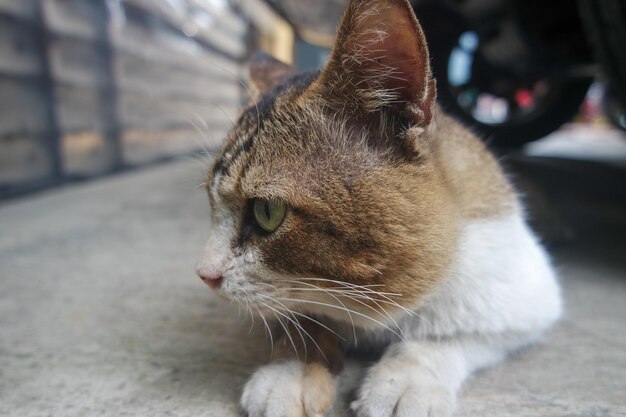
{"x": 380, "y": 60}
{"x": 266, "y": 72}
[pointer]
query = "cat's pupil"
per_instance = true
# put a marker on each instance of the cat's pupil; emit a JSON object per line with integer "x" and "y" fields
{"x": 267, "y": 210}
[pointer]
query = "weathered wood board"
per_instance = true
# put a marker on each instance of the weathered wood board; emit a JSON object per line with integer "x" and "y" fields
{"x": 158, "y": 77}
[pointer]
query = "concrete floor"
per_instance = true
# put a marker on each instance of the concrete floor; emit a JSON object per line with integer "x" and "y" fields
{"x": 101, "y": 314}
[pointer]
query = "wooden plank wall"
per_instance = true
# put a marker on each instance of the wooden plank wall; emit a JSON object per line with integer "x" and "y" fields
{"x": 92, "y": 86}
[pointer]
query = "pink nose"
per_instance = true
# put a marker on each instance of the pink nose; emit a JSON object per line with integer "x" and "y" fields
{"x": 212, "y": 278}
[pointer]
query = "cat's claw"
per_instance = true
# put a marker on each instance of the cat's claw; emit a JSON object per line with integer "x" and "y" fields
{"x": 289, "y": 389}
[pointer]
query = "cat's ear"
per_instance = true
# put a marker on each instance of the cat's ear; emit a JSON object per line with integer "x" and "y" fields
{"x": 380, "y": 59}
{"x": 266, "y": 72}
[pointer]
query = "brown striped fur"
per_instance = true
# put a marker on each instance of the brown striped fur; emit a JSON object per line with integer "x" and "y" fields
{"x": 378, "y": 180}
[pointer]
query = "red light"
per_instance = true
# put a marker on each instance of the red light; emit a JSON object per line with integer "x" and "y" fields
{"x": 524, "y": 98}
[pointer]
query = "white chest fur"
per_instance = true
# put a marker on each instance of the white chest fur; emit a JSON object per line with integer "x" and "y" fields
{"x": 501, "y": 281}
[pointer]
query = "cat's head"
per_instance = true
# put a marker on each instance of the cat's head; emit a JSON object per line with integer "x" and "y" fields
{"x": 327, "y": 193}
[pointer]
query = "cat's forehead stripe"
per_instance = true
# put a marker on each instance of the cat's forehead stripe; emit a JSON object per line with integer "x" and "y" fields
{"x": 246, "y": 131}
{"x": 240, "y": 151}
{"x": 251, "y": 122}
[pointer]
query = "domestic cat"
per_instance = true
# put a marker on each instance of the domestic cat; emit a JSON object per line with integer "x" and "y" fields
{"x": 350, "y": 211}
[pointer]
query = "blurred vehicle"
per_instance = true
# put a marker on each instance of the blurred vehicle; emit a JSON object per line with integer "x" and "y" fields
{"x": 518, "y": 69}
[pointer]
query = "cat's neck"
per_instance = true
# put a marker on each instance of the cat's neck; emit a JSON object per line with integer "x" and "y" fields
{"x": 472, "y": 174}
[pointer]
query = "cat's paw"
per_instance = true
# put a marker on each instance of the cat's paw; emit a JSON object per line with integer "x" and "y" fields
{"x": 408, "y": 392}
{"x": 289, "y": 389}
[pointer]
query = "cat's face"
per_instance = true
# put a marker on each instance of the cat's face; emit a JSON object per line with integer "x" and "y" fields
{"x": 326, "y": 195}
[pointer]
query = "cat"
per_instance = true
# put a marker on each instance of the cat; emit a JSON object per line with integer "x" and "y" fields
{"x": 347, "y": 207}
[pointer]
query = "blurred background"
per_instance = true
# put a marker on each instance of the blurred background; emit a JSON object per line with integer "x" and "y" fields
{"x": 103, "y": 103}
{"x": 90, "y": 87}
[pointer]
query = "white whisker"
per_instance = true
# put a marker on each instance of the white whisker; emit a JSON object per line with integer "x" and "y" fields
{"x": 295, "y": 350}
{"x": 269, "y": 332}
{"x": 303, "y": 316}
{"x": 353, "y": 298}
{"x": 298, "y": 325}
{"x": 364, "y": 289}
{"x": 343, "y": 308}
{"x": 338, "y": 300}
{"x": 251, "y": 316}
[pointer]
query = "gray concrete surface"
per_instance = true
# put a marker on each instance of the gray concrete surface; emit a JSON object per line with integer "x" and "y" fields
{"x": 101, "y": 315}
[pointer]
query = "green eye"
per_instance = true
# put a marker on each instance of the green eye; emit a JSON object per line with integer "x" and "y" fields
{"x": 269, "y": 214}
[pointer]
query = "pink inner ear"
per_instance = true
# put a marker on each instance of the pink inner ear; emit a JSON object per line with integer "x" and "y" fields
{"x": 381, "y": 60}
{"x": 390, "y": 42}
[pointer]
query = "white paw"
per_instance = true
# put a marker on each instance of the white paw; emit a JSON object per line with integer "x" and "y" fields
{"x": 391, "y": 391}
{"x": 289, "y": 389}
